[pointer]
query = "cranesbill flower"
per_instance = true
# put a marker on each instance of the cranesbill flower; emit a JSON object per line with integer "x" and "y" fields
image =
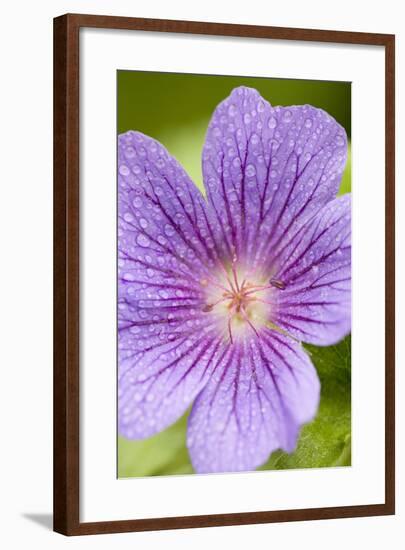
{"x": 216, "y": 295}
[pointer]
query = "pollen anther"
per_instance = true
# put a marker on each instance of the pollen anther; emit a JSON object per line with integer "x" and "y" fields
{"x": 278, "y": 284}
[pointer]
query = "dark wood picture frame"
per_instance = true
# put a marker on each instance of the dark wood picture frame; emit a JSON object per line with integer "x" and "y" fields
{"x": 66, "y": 273}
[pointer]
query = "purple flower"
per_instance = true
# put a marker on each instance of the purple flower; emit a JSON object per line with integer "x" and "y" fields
{"x": 215, "y": 296}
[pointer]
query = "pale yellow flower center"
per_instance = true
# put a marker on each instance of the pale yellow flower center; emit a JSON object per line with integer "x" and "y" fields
{"x": 240, "y": 301}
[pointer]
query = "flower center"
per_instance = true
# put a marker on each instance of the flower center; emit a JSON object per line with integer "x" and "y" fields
{"x": 241, "y": 302}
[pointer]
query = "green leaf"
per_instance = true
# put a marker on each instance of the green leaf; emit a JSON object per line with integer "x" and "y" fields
{"x": 346, "y": 183}
{"x": 163, "y": 454}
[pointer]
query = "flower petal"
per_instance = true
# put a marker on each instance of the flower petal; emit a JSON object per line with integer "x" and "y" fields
{"x": 260, "y": 394}
{"x": 267, "y": 170}
{"x": 165, "y": 248}
{"x": 164, "y": 230}
{"x": 315, "y": 305}
{"x": 159, "y": 377}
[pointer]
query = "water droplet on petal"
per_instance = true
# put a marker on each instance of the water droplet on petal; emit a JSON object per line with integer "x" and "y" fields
{"x": 169, "y": 230}
{"x": 143, "y": 240}
{"x": 124, "y": 170}
{"x": 250, "y": 170}
{"x": 130, "y": 152}
{"x": 272, "y": 122}
{"x": 247, "y": 118}
{"x": 287, "y": 116}
{"x": 232, "y": 110}
{"x": 255, "y": 139}
{"x": 308, "y": 123}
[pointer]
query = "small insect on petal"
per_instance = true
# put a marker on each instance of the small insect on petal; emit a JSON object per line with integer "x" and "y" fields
{"x": 277, "y": 283}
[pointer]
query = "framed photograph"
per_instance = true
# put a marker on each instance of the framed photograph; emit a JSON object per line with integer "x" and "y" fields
{"x": 223, "y": 274}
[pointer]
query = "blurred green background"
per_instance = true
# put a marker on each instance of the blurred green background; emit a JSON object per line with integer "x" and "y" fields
{"x": 175, "y": 109}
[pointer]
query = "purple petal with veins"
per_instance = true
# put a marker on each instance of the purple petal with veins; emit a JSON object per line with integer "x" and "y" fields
{"x": 316, "y": 269}
{"x": 255, "y": 402}
{"x": 268, "y": 169}
{"x": 215, "y": 295}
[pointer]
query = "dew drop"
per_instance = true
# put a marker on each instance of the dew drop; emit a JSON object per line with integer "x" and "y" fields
{"x": 272, "y": 122}
{"x": 247, "y": 118}
{"x": 137, "y": 202}
{"x": 232, "y": 110}
{"x": 143, "y": 240}
{"x": 124, "y": 170}
{"x": 308, "y": 123}
{"x": 169, "y": 231}
{"x": 250, "y": 170}
{"x": 143, "y": 223}
{"x": 130, "y": 152}
{"x": 287, "y": 116}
